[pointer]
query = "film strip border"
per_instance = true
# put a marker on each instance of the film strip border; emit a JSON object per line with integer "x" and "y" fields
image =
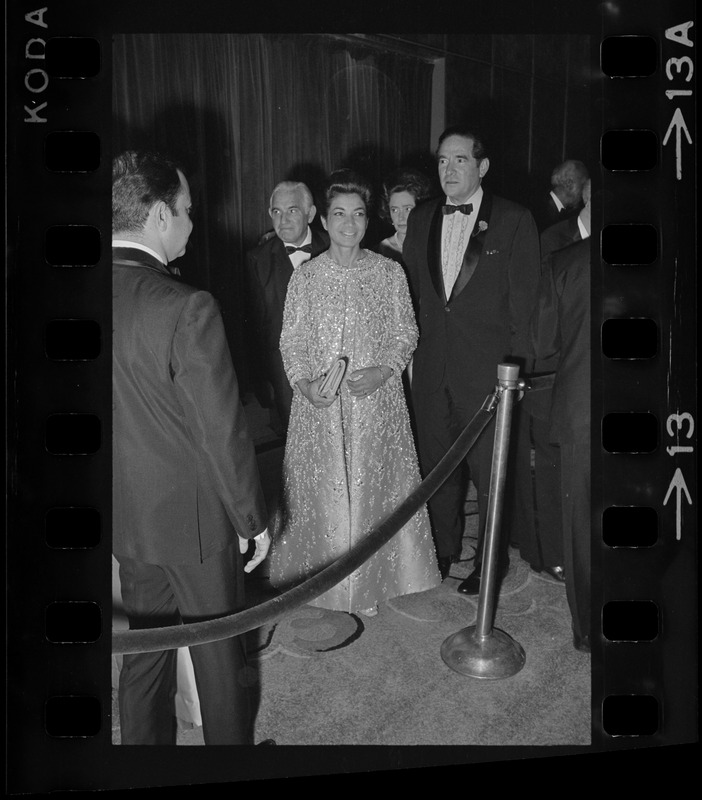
{"x": 59, "y": 387}
{"x": 59, "y": 301}
{"x": 644, "y": 562}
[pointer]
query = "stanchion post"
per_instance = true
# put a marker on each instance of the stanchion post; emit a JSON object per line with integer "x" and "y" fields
{"x": 482, "y": 651}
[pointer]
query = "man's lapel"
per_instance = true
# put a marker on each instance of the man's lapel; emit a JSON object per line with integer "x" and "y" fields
{"x": 475, "y": 246}
{"x": 434, "y": 252}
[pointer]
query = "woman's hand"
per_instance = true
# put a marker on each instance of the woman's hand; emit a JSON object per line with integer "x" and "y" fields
{"x": 367, "y": 380}
{"x": 310, "y": 389}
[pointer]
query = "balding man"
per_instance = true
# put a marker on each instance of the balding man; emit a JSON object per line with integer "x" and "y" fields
{"x": 269, "y": 267}
{"x": 573, "y": 229}
{"x": 566, "y": 196}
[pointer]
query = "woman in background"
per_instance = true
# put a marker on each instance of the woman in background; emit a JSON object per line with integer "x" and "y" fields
{"x": 350, "y": 458}
{"x": 401, "y": 192}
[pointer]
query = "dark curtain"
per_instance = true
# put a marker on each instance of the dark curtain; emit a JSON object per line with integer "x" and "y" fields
{"x": 530, "y": 96}
{"x": 242, "y": 112}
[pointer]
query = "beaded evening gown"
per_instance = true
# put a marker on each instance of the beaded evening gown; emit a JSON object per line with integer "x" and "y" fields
{"x": 348, "y": 466}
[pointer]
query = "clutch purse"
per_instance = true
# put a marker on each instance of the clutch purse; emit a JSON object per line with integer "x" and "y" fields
{"x": 332, "y": 380}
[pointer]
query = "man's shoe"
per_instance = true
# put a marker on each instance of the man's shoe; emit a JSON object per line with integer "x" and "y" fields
{"x": 581, "y": 643}
{"x": 445, "y": 563}
{"x": 471, "y": 585}
{"x": 557, "y": 573}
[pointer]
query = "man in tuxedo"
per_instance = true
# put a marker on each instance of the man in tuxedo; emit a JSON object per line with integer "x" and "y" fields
{"x": 186, "y": 492}
{"x": 269, "y": 268}
{"x": 473, "y": 267}
{"x": 539, "y": 508}
{"x": 561, "y": 332}
{"x": 565, "y": 198}
{"x": 569, "y": 230}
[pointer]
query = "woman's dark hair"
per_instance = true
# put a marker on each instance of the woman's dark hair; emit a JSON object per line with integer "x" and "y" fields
{"x": 346, "y": 181}
{"x": 140, "y": 179}
{"x": 404, "y": 180}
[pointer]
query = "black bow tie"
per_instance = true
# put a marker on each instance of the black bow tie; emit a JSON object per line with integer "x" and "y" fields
{"x": 306, "y": 248}
{"x": 466, "y": 208}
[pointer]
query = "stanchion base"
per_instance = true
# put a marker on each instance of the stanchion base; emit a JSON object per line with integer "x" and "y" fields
{"x": 494, "y": 656}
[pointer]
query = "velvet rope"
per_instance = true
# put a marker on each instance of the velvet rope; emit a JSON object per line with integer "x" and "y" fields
{"x": 154, "y": 639}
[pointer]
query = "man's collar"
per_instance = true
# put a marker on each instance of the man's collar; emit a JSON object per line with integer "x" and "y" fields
{"x": 306, "y": 240}
{"x": 584, "y": 232}
{"x": 137, "y": 246}
{"x": 475, "y": 199}
{"x": 557, "y": 201}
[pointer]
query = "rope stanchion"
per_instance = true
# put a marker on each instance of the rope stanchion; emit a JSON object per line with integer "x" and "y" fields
{"x": 195, "y": 633}
{"x": 480, "y": 650}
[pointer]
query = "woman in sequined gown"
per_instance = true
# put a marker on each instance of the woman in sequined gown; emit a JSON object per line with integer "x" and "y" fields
{"x": 349, "y": 460}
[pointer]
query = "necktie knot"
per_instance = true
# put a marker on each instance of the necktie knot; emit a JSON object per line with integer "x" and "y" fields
{"x": 306, "y": 248}
{"x": 465, "y": 208}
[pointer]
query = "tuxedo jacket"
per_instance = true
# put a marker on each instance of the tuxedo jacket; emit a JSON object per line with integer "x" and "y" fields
{"x": 560, "y": 235}
{"x": 185, "y": 479}
{"x": 555, "y": 237}
{"x": 269, "y": 270}
{"x": 485, "y": 321}
{"x": 561, "y": 330}
{"x": 548, "y": 213}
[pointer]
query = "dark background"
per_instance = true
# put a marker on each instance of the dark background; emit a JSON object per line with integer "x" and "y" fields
{"x": 244, "y": 111}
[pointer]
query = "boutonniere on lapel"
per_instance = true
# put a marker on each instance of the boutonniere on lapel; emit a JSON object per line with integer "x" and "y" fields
{"x": 481, "y": 227}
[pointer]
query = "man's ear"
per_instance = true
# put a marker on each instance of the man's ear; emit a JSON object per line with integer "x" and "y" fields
{"x": 311, "y": 213}
{"x": 484, "y": 167}
{"x": 161, "y": 214}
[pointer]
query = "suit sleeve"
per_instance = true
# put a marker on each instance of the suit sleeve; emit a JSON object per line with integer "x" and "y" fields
{"x": 208, "y": 391}
{"x": 545, "y": 325}
{"x": 257, "y": 315}
{"x": 524, "y": 276}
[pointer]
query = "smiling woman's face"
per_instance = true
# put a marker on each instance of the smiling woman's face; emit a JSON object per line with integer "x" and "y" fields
{"x": 346, "y": 220}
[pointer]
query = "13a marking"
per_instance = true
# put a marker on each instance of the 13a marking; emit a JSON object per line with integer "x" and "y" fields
{"x": 674, "y": 426}
{"x": 682, "y": 67}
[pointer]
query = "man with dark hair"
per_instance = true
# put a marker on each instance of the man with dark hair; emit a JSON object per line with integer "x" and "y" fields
{"x": 269, "y": 268}
{"x": 186, "y": 491}
{"x": 473, "y": 265}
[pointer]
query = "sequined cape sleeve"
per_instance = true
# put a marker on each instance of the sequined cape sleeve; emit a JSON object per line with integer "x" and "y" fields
{"x": 294, "y": 337}
{"x": 402, "y": 333}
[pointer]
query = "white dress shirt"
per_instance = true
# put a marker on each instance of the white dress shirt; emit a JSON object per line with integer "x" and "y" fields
{"x": 456, "y": 231}
{"x": 137, "y": 246}
{"x": 299, "y": 257}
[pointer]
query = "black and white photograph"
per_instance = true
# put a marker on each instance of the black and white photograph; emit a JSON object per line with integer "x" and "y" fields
{"x": 390, "y": 459}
